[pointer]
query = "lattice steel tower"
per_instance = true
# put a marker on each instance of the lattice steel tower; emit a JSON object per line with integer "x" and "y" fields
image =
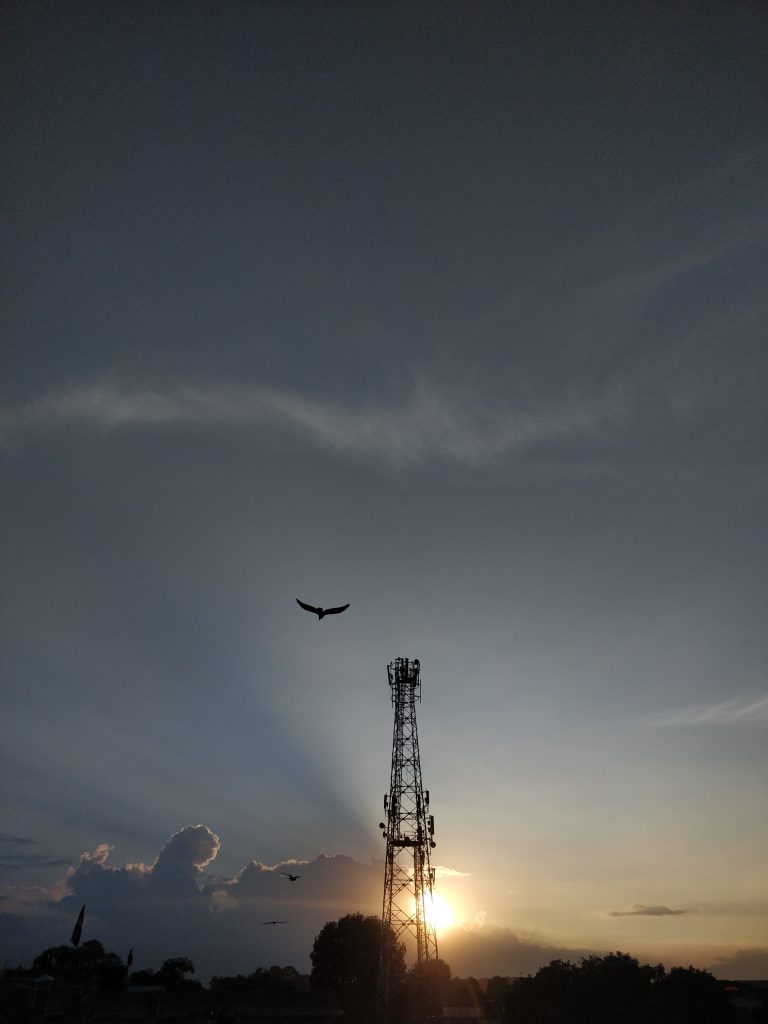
{"x": 408, "y": 877}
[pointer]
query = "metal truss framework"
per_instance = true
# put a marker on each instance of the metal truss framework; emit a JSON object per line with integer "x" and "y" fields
{"x": 408, "y": 876}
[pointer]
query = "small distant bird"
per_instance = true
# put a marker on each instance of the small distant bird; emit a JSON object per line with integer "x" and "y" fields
{"x": 320, "y": 612}
{"x": 274, "y": 922}
{"x": 291, "y": 878}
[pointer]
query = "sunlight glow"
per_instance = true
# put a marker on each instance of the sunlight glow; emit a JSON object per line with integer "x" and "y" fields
{"x": 440, "y": 913}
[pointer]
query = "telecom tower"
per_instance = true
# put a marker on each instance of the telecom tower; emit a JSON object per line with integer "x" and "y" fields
{"x": 409, "y": 829}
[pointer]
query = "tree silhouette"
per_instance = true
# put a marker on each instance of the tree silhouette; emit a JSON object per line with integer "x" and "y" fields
{"x": 550, "y": 996}
{"x": 497, "y": 994}
{"x": 689, "y": 996}
{"x": 273, "y": 979}
{"x": 171, "y": 975}
{"x": 423, "y": 992}
{"x": 345, "y": 959}
{"x": 616, "y": 989}
{"x": 63, "y": 958}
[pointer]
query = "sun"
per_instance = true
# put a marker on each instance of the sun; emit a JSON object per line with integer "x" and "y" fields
{"x": 440, "y": 913}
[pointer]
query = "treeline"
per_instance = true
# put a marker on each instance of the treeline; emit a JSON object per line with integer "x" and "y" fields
{"x": 172, "y": 975}
{"x": 612, "y": 989}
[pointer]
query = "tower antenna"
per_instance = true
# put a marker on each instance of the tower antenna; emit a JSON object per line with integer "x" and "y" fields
{"x": 409, "y": 830}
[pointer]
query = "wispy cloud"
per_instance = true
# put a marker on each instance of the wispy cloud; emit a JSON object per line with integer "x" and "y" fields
{"x": 19, "y": 856}
{"x": 443, "y": 872}
{"x": 737, "y": 711}
{"x": 640, "y": 910}
{"x": 429, "y": 425}
{"x": 11, "y": 840}
{"x": 22, "y": 862}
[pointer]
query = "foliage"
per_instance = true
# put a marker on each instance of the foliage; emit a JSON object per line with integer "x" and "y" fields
{"x": 424, "y": 992}
{"x": 497, "y": 994}
{"x": 65, "y": 958}
{"x": 615, "y": 989}
{"x": 273, "y": 979}
{"x": 171, "y": 975}
{"x": 345, "y": 959}
{"x": 689, "y": 996}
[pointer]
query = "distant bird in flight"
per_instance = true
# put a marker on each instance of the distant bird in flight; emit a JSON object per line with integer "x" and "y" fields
{"x": 274, "y": 922}
{"x": 320, "y": 612}
{"x": 291, "y": 878}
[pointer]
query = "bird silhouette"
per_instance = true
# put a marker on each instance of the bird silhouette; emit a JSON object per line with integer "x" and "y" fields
{"x": 291, "y": 878}
{"x": 320, "y": 612}
{"x": 274, "y": 922}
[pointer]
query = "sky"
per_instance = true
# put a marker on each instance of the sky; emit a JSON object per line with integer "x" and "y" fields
{"x": 452, "y": 311}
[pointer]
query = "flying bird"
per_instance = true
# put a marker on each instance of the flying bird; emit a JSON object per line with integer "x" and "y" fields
{"x": 291, "y": 878}
{"x": 320, "y": 612}
{"x": 274, "y": 922}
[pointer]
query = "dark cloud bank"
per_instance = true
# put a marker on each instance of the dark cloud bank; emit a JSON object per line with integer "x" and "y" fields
{"x": 177, "y": 906}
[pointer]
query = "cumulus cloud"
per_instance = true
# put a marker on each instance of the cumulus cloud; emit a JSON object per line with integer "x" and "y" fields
{"x": 171, "y": 908}
{"x": 429, "y": 425}
{"x": 641, "y": 910}
{"x": 180, "y": 861}
{"x": 190, "y": 851}
{"x": 332, "y": 881}
{"x": 742, "y": 710}
{"x": 175, "y": 907}
{"x": 98, "y": 856}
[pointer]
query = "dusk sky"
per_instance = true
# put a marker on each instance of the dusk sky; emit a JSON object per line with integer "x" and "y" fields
{"x": 453, "y": 311}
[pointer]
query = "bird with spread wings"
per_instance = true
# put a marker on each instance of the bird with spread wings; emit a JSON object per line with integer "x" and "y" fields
{"x": 320, "y": 612}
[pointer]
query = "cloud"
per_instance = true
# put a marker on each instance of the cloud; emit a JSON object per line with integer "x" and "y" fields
{"x": 429, "y": 425}
{"x": 22, "y": 861}
{"x": 737, "y": 711}
{"x": 443, "y": 872}
{"x": 332, "y": 881}
{"x": 98, "y": 856}
{"x": 22, "y": 899}
{"x": 173, "y": 907}
{"x": 6, "y": 837}
{"x": 487, "y": 950}
{"x": 170, "y": 908}
{"x": 20, "y": 857}
{"x": 190, "y": 850}
{"x": 640, "y": 910}
{"x": 173, "y": 874}
{"x": 744, "y": 965}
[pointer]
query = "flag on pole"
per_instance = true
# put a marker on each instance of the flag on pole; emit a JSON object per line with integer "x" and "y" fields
{"x": 77, "y": 931}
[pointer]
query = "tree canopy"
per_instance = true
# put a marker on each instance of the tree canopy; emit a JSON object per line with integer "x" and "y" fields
{"x": 172, "y": 975}
{"x": 615, "y": 988}
{"x": 424, "y": 991}
{"x": 345, "y": 959}
{"x": 89, "y": 954}
{"x": 272, "y": 979}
